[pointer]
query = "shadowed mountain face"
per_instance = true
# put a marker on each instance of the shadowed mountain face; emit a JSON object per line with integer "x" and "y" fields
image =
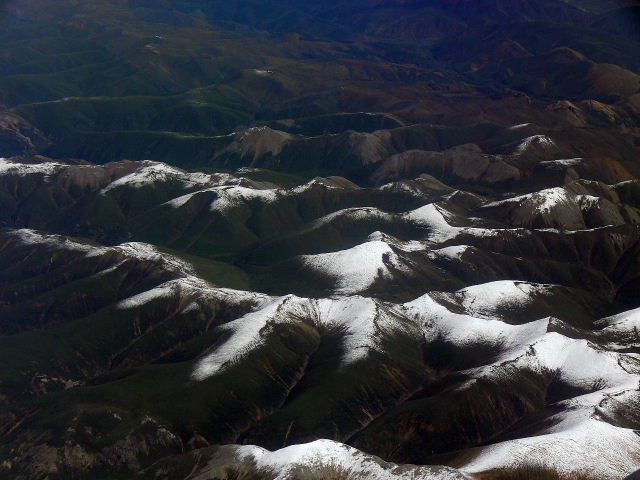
{"x": 319, "y": 240}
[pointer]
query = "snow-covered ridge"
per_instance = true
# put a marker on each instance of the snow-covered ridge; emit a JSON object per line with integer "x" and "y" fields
{"x": 229, "y": 197}
{"x": 476, "y": 315}
{"x": 245, "y": 334}
{"x": 357, "y": 268}
{"x": 148, "y": 173}
{"x": 571, "y": 208}
{"x": 542, "y": 201}
{"x": 488, "y": 299}
{"x": 437, "y": 220}
{"x": 578, "y": 443}
{"x": 8, "y": 167}
{"x": 530, "y": 346}
{"x": 363, "y": 322}
{"x": 232, "y": 192}
{"x": 135, "y": 250}
{"x": 488, "y": 317}
{"x": 115, "y": 175}
{"x": 149, "y": 253}
{"x": 26, "y": 236}
{"x": 577, "y": 434}
{"x": 321, "y": 459}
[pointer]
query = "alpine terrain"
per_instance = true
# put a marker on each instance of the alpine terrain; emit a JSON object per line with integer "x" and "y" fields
{"x": 319, "y": 240}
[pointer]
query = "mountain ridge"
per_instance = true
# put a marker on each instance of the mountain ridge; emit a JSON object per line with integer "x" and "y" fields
{"x": 319, "y": 240}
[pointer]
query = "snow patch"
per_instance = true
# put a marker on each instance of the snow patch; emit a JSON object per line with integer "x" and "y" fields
{"x": 436, "y": 220}
{"x": 233, "y": 196}
{"x": 454, "y": 252}
{"x": 357, "y": 268}
{"x": 541, "y": 141}
{"x": 492, "y": 300}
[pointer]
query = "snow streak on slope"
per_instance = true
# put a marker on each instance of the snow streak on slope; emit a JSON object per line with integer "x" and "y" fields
{"x": 244, "y": 335}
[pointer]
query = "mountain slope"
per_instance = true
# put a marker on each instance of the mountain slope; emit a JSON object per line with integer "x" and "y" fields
{"x": 319, "y": 240}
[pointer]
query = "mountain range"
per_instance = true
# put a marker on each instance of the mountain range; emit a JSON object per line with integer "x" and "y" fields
{"x": 286, "y": 240}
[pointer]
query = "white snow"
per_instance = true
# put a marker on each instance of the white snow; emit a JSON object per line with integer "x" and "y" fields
{"x": 183, "y": 199}
{"x": 365, "y": 323}
{"x": 353, "y": 214}
{"x": 232, "y": 196}
{"x": 436, "y": 219}
{"x": 577, "y": 442}
{"x": 436, "y": 320}
{"x": 579, "y": 364}
{"x": 492, "y": 300}
{"x": 554, "y": 205}
{"x": 591, "y": 446}
{"x": 536, "y": 140}
{"x": 564, "y": 162}
{"x": 28, "y": 236}
{"x": 624, "y": 320}
{"x": 621, "y": 331}
{"x": 576, "y": 438}
{"x": 149, "y": 173}
{"x": 22, "y": 169}
{"x": 406, "y": 246}
{"x": 165, "y": 290}
{"x": 454, "y": 252}
{"x": 551, "y": 197}
{"x": 404, "y": 186}
{"x": 258, "y": 71}
{"x": 322, "y": 458}
{"x": 149, "y": 253}
{"x": 323, "y": 182}
{"x": 244, "y": 335}
{"x": 543, "y": 201}
{"x": 357, "y": 268}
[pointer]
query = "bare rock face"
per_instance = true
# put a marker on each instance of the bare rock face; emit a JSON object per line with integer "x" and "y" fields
{"x": 88, "y": 449}
{"x": 464, "y": 163}
{"x": 19, "y": 137}
{"x": 258, "y": 142}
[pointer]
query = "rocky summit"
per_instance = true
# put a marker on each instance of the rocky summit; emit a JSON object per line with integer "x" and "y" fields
{"x": 337, "y": 240}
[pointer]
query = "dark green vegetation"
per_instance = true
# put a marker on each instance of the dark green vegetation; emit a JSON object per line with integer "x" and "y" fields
{"x": 397, "y": 226}
{"x": 162, "y": 80}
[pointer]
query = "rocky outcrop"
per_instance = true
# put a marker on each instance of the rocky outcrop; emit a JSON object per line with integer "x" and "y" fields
{"x": 465, "y": 163}
{"x": 18, "y": 136}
